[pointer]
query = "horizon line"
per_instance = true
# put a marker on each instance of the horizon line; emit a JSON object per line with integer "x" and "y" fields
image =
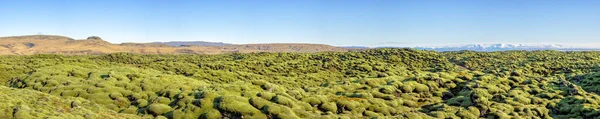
{"x": 402, "y": 45}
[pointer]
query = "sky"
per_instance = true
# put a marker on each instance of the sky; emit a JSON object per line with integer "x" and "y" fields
{"x": 334, "y": 22}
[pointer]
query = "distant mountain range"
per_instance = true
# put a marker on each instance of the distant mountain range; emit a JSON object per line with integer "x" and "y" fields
{"x": 193, "y": 43}
{"x": 52, "y": 44}
{"x": 505, "y": 47}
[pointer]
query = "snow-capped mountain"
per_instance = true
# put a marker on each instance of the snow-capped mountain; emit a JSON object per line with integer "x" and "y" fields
{"x": 504, "y": 47}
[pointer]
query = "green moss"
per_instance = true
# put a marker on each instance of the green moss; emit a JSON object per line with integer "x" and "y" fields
{"x": 522, "y": 99}
{"x": 185, "y": 101}
{"x": 211, "y": 114}
{"x": 385, "y": 83}
{"x": 159, "y": 109}
{"x": 136, "y": 96}
{"x": 279, "y": 111}
{"x": 115, "y": 95}
{"x": 266, "y": 95}
{"x": 371, "y": 114}
{"x": 258, "y": 102}
{"x": 141, "y": 102}
{"x": 29, "y": 104}
{"x": 474, "y": 111}
{"x": 373, "y": 82}
{"x": 162, "y": 100}
{"x": 238, "y": 105}
{"x": 160, "y": 117}
{"x": 122, "y": 102}
{"x": 93, "y": 90}
{"x": 466, "y": 114}
{"x": 177, "y": 114}
{"x": 279, "y": 99}
{"x": 348, "y": 104}
{"x": 330, "y": 106}
{"x": 100, "y": 98}
{"x": 130, "y": 110}
{"x": 407, "y": 88}
{"x": 410, "y": 103}
{"x": 68, "y": 93}
{"x": 51, "y": 83}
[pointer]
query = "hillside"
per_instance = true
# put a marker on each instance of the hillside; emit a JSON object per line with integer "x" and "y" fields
{"x": 46, "y": 44}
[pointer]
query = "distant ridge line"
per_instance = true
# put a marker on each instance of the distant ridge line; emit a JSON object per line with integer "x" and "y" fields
{"x": 54, "y": 44}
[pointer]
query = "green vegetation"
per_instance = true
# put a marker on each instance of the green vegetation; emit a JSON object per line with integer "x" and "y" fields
{"x": 377, "y": 83}
{"x": 27, "y": 104}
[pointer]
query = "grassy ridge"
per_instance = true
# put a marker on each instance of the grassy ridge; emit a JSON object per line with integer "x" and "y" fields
{"x": 386, "y": 83}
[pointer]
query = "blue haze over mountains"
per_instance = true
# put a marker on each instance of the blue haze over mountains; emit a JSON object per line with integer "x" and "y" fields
{"x": 471, "y": 47}
{"x": 506, "y": 47}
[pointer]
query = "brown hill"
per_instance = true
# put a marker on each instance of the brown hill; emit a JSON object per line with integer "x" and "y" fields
{"x": 48, "y": 44}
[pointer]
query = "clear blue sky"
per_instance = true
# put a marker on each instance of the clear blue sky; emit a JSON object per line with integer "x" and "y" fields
{"x": 335, "y": 22}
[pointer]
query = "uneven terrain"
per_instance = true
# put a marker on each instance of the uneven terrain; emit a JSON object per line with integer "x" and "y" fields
{"x": 374, "y": 83}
